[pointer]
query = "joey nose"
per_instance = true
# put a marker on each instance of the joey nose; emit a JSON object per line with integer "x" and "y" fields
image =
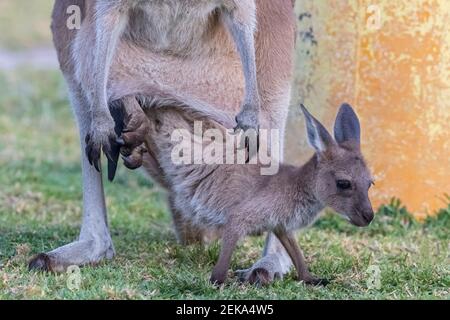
{"x": 368, "y": 215}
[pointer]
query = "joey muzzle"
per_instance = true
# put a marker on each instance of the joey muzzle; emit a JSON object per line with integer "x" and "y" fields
{"x": 362, "y": 218}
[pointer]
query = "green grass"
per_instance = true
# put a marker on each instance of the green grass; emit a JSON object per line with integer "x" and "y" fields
{"x": 40, "y": 209}
{"x": 25, "y": 23}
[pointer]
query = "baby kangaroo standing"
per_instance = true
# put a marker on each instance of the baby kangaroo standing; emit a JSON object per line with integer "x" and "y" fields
{"x": 335, "y": 177}
{"x": 212, "y": 196}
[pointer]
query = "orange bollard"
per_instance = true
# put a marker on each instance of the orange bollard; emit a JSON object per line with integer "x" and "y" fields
{"x": 391, "y": 61}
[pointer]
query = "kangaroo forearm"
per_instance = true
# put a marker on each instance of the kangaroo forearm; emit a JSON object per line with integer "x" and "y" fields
{"x": 243, "y": 36}
{"x": 110, "y": 22}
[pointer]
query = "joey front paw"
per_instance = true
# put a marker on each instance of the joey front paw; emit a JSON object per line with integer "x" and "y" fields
{"x": 133, "y": 129}
{"x": 136, "y": 130}
{"x": 101, "y": 137}
{"x": 133, "y": 159}
{"x": 133, "y": 139}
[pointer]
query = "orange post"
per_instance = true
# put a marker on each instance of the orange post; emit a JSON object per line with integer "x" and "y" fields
{"x": 391, "y": 61}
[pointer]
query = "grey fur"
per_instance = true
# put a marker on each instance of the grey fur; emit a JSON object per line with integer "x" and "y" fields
{"x": 318, "y": 136}
{"x": 212, "y": 196}
{"x": 158, "y": 26}
{"x": 347, "y": 126}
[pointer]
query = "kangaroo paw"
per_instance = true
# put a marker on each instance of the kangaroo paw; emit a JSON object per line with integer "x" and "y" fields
{"x": 263, "y": 272}
{"x": 79, "y": 253}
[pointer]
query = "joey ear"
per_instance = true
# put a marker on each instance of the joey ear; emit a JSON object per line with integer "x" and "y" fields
{"x": 318, "y": 136}
{"x": 347, "y": 127}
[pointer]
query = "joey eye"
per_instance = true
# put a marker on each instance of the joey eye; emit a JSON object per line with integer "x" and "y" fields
{"x": 343, "y": 184}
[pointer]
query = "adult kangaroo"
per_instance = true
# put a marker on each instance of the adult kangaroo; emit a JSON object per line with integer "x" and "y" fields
{"x": 218, "y": 57}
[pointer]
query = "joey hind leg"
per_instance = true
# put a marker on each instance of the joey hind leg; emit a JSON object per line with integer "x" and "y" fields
{"x": 290, "y": 244}
{"x": 132, "y": 129}
{"x": 220, "y": 271}
{"x": 185, "y": 232}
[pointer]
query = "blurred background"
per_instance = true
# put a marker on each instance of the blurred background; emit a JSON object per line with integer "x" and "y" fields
{"x": 389, "y": 59}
